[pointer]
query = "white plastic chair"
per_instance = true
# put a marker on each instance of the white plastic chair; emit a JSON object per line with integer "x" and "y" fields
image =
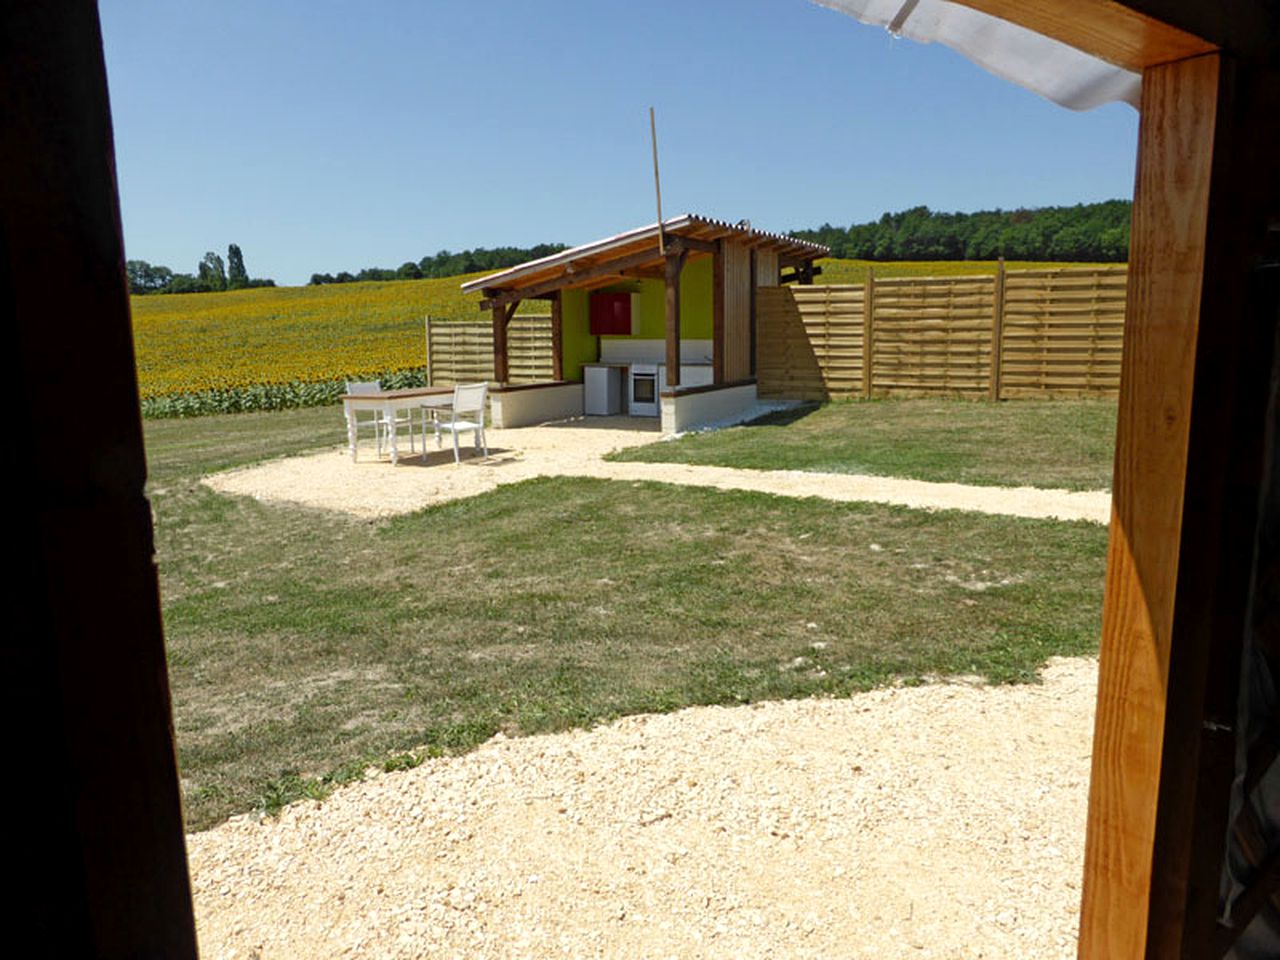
{"x": 378, "y": 421}
{"x": 466, "y": 414}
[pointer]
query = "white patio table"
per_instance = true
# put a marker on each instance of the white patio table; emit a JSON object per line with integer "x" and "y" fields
{"x": 389, "y": 402}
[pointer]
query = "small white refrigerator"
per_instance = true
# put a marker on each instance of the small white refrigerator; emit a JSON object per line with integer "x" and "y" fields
{"x": 602, "y": 384}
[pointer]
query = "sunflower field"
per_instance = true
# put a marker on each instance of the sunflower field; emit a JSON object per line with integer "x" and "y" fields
{"x": 269, "y": 348}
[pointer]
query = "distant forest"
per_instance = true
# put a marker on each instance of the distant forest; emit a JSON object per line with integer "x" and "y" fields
{"x": 1092, "y": 232}
{"x": 213, "y": 275}
{"x": 1087, "y": 232}
{"x": 446, "y": 264}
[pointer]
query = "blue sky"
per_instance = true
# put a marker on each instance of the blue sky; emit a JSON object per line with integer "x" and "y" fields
{"x": 323, "y": 136}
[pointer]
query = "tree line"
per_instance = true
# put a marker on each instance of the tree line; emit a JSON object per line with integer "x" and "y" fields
{"x": 212, "y": 275}
{"x": 445, "y": 264}
{"x": 1092, "y": 232}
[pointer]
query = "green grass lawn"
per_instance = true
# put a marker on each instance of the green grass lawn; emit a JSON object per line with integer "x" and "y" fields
{"x": 1038, "y": 443}
{"x": 304, "y": 645}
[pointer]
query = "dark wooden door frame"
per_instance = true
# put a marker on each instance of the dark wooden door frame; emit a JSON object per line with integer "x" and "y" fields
{"x": 106, "y": 875}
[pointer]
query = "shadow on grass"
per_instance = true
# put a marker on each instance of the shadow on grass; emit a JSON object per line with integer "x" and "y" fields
{"x": 785, "y": 417}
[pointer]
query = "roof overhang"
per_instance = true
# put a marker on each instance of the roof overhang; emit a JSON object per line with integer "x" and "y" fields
{"x": 1082, "y": 56}
{"x": 635, "y": 254}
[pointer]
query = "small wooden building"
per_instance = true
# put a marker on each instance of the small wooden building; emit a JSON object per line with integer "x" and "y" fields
{"x": 671, "y": 306}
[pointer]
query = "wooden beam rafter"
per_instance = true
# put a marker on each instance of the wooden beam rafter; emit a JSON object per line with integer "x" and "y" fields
{"x": 612, "y": 268}
{"x": 679, "y": 241}
{"x": 1106, "y": 29}
{"x": 800, "y": 275}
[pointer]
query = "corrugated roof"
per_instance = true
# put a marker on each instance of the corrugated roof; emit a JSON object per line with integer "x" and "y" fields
{"x": 688, "y": 225}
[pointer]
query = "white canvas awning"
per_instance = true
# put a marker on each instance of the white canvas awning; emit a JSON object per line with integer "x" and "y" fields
{"x": 1054, "y": 70}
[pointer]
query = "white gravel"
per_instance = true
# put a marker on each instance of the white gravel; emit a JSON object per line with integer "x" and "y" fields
{"x": 373, "y": 489}
{"x": 935, "y": 821}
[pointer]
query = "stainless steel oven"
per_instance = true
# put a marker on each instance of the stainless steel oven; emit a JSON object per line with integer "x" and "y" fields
{"x": 642, "y": 392}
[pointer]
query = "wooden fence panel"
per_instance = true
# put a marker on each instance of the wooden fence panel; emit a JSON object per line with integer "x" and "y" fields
{"x": 932, "y": 335}
{"x": 1061, "y": 333}
{"x": 461, "y": 351}
{"x": 810, "y": 341}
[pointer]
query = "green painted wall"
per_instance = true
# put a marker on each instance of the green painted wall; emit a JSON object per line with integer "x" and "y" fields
{"x": 578, "y": 344}
{"x": 695, "y": 314}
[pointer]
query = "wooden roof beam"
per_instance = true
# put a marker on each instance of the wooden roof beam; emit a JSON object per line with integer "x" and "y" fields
{"x": 800, "y": 275}
{"x": 1111, "y": 31}
{"x": 691, "y": 243}
{"x": 567, "y": 281}
{"x": 791, "y": 260}
{"x": 1240, "y": 27}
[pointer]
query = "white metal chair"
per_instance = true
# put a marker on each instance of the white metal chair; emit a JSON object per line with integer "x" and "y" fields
{"x": 378, "y": 421}
{"x": 466, "y": 414}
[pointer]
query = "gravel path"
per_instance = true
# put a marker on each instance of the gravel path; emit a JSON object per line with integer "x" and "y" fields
{"x": 372, "y": 489}
{"x": 936, "y": 821}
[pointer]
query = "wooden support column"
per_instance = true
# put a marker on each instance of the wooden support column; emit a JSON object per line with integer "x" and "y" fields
{"x": 104, "y": 868}
{"x": 868, "y": 331}
{"x": 674, "y": 265}
{"x": 1188, "y": 470}
{"x": 751, "y": 320}
{"x": 427, "y": 334}
{"x": 557, "y": 337}
{"x": 717, "y": 313}
{"x": 997, "y": 331}
{"x": 502, "y": 314}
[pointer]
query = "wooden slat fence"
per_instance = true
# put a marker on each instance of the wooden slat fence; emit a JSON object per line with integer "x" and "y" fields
{"x": 461, "y": 351}
{"x": 1063, "y": 332}
{"x": 932, "y": 335}
{"x": 1027, "y": 333}
{"x": 809, "y": 340}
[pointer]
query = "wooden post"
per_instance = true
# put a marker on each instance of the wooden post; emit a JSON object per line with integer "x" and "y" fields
{"x": 868, "y": 338}
{"x": 717, "y": 313}
{"x": 1188, "y": 471}
{"x": 557, "y": 338}
{"x": 674, "y": 264}
{"x": 428, "y": 338}
{"x": 500, "y": 343}
{"x": 997, "y": 330}
{"x": 751, "y": 321}
{"x": 104, "y": 869}
{"x": 502, "y": 315}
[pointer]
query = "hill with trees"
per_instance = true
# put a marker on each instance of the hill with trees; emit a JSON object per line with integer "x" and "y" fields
{"x": 1086, "y": 232}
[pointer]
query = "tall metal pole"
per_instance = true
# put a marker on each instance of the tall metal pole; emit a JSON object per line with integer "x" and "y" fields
{"x": 657, "y": 185}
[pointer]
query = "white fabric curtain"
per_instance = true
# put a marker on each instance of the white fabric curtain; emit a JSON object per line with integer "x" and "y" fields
{"x": 1060, "y": 73}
